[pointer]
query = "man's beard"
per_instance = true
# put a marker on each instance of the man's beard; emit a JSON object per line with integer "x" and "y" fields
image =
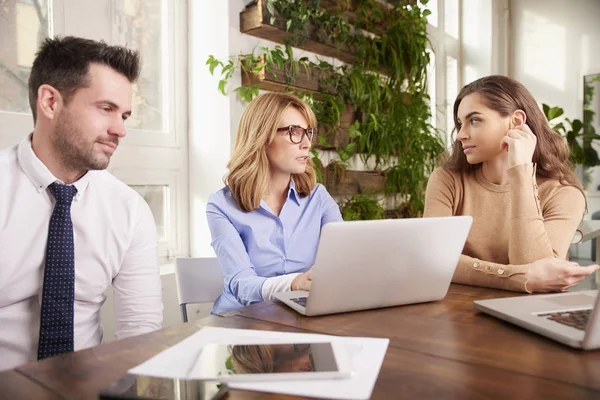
{"x": 75, "y": 153}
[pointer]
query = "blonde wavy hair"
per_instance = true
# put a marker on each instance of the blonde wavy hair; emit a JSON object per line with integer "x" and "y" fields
{"x": 248, "y": 176}
{"x": 252, "y": 359}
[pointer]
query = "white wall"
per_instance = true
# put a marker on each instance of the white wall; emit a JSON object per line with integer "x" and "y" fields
{"x": 209, "y": 115}
{"x": 554, "y": 43}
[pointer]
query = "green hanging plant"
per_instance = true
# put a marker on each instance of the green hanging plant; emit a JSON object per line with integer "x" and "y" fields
{"x": 386, "y": 88}
{"x": 361, "y": 207}
{"x": 578, "y": 137}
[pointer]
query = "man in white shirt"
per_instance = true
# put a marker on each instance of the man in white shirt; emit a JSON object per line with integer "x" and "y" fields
{"x": 68, "y": 228}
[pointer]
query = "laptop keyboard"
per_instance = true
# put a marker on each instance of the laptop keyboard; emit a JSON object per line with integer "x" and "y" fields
{"x": 577, "y": 319}
{"x": 300, "y": 300}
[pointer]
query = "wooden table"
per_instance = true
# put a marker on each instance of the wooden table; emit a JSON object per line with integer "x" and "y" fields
{"x": 440, "y": 350}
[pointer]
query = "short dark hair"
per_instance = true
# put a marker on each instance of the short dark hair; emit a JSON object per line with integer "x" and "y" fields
{"x": 64, "y": 62}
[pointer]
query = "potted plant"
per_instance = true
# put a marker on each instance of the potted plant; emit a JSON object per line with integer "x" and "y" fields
{"x": 579, "y": 136}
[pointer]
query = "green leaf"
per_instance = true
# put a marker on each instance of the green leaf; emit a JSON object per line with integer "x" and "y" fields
{"x": 269, "y": 57}
{"x": 353, "y": 130}
{"x": 555, "y": 112}
{"x": 289, "y": 52}
{"x": 546, "y": 109}
{"x": 560, "y": 128}
{"x": 577, "y": 125}
{"x": 344, "y": 156}
{"x": 590, "y": 157}
{"x": 323, "y": 141}
{"x": 222, "y": 84}
{"x": 271, "y": 9}
{"x": 227, "y": 68}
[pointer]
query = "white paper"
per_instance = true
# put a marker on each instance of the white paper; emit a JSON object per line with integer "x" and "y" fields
{"x": 366, "y": 355}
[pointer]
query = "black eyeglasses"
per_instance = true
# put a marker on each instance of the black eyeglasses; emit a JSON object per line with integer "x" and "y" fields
{"x": 297, "y": 133}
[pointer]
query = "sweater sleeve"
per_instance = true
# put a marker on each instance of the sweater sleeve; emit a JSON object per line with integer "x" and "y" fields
{"x": 537, "y": 232}
{"x": 440, "y": 195}
{"x": 473, "y": 271}
{"x": 440, "y": 199}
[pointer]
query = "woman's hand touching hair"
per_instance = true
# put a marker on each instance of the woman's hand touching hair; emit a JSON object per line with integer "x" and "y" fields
{"x": 520, "y": 143}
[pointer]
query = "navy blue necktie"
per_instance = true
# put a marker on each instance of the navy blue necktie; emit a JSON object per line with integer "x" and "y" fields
{"x": 58, "y": 293}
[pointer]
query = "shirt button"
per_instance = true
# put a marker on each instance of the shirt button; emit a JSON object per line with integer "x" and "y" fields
{"x": 476, "y": 265}
{"x": 282, "y": 258}
{"x": 488, "y": 268}
{"x": 500, "y": 271}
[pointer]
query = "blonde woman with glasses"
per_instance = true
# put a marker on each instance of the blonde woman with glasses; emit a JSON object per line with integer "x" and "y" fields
{"x": 266, "y": 222}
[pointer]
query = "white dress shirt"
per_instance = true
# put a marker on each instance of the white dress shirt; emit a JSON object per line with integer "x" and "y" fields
{"x": 115, "y": 243}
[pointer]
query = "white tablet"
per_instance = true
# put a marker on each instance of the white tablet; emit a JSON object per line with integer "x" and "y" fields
{"x": 276, "y": 361}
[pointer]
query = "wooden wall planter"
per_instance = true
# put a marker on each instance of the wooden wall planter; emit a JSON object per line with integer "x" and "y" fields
{"x": 338, "y": 138}
{"x": 348, "y": 9}
{"x": 255, "y": 21}
{"x": 303, "y": 81}
{"x": 277, "y": 81}
{"x": 354, "y": 182}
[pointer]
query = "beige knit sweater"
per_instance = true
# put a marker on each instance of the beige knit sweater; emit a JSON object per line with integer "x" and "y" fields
{"x": 513, "y": 224}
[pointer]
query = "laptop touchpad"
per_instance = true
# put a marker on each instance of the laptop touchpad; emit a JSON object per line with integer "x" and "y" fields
{"x": 575, "y": 300}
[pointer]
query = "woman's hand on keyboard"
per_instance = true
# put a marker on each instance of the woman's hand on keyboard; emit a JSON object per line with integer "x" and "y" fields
{"x": 302, "y": 281}
{"x": 555, "y": 275}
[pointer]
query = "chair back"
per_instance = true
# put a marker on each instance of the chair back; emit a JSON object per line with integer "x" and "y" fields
{"x": 199, "y": 280}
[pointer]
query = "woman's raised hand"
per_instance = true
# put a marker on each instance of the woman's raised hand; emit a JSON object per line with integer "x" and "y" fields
{"x": 520, "y": 143}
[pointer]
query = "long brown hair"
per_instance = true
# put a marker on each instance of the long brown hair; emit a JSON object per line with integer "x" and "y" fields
{"x": 248, "y": 176}
{"x": 505, "y": 96}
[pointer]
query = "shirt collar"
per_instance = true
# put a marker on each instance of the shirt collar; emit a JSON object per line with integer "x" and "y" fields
{"x": 292, "y": 193}
{"x": 39, "y": 175}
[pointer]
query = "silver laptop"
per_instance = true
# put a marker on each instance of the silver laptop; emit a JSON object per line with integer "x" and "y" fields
{"x": 571, "y": 318}
{"x": 370, "y": 264}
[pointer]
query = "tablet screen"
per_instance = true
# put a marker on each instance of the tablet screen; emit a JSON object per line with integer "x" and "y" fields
{"x": 135, "y": 387}
{"x": 242, "y": 359}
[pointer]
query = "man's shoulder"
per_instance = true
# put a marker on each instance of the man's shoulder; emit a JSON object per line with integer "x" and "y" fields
{"x": 9, "y": 165}
{"x": 8, "y": 155}
{"x": 114, "y": 187}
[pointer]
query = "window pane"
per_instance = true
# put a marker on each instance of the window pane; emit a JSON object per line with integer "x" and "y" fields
{"x": 451, "y": 93}
{"x": 432, "y": 6}
{"x": 157, "y": 197}
{"x": 451, "y": 17}
{"x": 144, "y": 32}
{"x": 23, "y": 25}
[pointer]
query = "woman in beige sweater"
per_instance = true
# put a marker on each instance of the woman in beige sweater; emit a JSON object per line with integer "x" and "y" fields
{"x": 511, "y": 172}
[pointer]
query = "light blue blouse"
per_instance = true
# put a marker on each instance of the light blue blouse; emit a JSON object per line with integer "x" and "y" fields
{"x": 256, "y": 245}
